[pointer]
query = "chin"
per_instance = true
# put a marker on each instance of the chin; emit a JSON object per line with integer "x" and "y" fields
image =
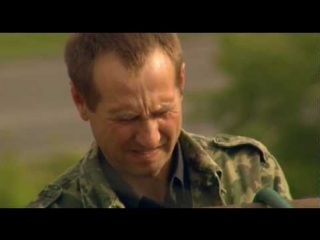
{"x": 148, "y": 169}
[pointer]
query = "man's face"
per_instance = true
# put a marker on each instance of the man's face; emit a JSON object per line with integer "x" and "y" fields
{"x": 138, "y": 120}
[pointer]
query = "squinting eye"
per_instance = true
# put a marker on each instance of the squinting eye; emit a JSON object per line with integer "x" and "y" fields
{"x": 126, "y": 119}
{"x": 160, "y": 114}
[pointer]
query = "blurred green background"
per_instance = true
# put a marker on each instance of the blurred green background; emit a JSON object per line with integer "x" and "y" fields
{"x": 20, "y": 45}
{"x": 269, "y": 93}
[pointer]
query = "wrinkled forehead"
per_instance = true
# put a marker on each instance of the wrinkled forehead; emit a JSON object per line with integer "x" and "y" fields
{"x": 133, "y": 63}
{"x": 153, "y": 86}
{"x": 111, "y": 76}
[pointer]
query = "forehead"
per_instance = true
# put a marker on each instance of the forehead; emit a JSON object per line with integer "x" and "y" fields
{"x": 113, "y": 80}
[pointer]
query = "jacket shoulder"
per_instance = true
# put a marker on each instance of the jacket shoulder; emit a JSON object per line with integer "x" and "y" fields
{"x": 63, "y": 192}
{"x": 48, "y": 195}
{"x": 228, "y": 141}
{"x": 270, "y": 174}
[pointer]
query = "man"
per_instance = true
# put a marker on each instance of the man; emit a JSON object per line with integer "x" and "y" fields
{"x": 129, "y": 87}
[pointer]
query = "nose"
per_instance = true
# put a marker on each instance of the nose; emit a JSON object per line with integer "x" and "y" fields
{"x": 148, "y": 135}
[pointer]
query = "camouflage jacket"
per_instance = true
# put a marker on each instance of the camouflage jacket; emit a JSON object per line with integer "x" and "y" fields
{"x": 224, "y": 170}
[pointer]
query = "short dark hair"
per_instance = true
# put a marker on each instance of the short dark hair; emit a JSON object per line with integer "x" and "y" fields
{"x": 83, "y": 49}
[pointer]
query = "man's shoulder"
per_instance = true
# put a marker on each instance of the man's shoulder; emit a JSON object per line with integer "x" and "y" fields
{"x": 227, "y": 143}
{"x": 63, "y": 192}
{"x": 240, "y": 157}
{"x": 48, "y": 195}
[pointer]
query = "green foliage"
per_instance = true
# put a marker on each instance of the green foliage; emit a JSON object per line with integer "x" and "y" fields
{"x": 272, "y": 97}
{"x": 22, "y": 45}
{"x": 22, "y": 178}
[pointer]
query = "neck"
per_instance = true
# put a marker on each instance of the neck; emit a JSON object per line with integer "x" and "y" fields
{"x": 153, "y": 187}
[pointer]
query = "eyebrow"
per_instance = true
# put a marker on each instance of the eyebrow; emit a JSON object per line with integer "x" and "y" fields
{"x": 118, "y": 112}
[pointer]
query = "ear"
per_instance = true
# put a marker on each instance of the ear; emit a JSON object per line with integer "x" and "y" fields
{"x": 79, "y": 102}
{"x": 182, "y": 78}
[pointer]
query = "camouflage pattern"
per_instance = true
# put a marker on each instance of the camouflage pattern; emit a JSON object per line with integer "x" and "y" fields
{"x": 224, "y": 170}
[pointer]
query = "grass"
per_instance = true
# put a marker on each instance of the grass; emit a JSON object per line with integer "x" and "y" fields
{"x": 22, "y": 178}
{"x": 303, "y": 178}
{"x": 25, "y": 45}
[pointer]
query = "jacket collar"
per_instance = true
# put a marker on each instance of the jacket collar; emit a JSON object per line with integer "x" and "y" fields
{"x": 96, "y": 192}
{"x": 205, "y": 173}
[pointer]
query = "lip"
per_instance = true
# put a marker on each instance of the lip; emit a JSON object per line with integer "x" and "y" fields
{"x": 146, "y": 153}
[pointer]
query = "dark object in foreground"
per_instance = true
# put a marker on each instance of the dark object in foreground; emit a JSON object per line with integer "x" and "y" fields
{"x": 297, "y": 203}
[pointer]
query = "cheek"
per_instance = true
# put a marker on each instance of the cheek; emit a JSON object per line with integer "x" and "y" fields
{"x": 170, "y": 125}
{"x": 120, "y": 134}
{"x": 107, "y": 133}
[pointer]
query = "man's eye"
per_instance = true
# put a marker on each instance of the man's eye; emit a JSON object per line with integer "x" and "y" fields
{"x": 126, "y": 119}
{"x": 160, "y": 114}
